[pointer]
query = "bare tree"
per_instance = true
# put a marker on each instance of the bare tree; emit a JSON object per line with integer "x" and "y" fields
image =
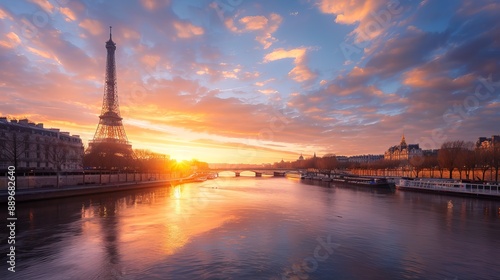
{"x": 431, "y": 163}
{"x": 465, "y": 159}
{"x": 495, "y": 159}
{"x": 449, "y": 155}
{"x": 60, "y": 154}
{"x": 13, "y": 147}
{"x": 484, "y": 159}
{"x": 417, "y": 163}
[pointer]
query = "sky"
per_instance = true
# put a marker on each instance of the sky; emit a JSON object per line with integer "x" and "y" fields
{"x": 240, "y": 81}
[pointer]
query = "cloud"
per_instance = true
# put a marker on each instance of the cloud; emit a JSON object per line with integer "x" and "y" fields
{"x": 426, "y": 78}
{"x": 152, "y": 5}
{"x": 93, "y": 27}
{"x": 68, "y": 13}
{"x": 301, "y": 72}
{"x": 264, "y": 26}
{"x": 187, "y": 30}
{"x": 409, "y": 49}
{"x": 150, "y": 61}
{"x": 11, "y": 41}
{"x": 267, "y": 91}
{"x": 252, "y": 23}
{"x": 44, "y": 4}
{"x": 43, "y": 54}
{"x": 5, "y": 15}
{"x": 373, "y": 17}
{"x": 263, "y": 83}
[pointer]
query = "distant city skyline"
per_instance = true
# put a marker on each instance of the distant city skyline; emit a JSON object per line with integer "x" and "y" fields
{"x": 258, "y": 81}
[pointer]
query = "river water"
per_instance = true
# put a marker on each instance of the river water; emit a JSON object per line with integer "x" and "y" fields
{"x": 257, "y": 228}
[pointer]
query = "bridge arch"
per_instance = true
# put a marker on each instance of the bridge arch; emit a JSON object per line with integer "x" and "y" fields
{"x": 240, "y": 173}
{"x": 249, "y": 172}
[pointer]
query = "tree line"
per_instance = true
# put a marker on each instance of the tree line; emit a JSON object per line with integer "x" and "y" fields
{"x": 471, "y": 161}
{"x": 145, "y": 160}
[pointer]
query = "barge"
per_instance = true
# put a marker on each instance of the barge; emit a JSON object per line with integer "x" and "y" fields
{"x": 370, "y": 182}
{"x": 353, "y": 180}
{"x": 453, "y": 187}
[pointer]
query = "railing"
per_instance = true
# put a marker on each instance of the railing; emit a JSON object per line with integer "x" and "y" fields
{"x": 452, "y": 186}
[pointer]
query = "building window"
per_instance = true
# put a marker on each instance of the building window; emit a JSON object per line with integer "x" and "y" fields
{"x": 27, "y": 154}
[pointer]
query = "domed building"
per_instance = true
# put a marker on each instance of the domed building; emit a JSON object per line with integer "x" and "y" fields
{"x": 402, "y": 151}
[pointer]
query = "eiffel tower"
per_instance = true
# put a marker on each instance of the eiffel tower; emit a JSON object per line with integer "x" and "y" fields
{"x": 110, "y": 147}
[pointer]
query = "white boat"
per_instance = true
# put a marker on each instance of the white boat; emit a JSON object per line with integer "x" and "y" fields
{"x": 449, "y": 186}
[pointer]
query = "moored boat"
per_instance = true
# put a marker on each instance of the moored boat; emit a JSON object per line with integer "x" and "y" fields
{"x": 352, "y": 180}
{"x": 449, "y": 186}
{"x": 371, "y": 182}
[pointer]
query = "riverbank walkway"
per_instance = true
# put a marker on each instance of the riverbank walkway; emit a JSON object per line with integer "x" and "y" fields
{"x": 22, "y": 195}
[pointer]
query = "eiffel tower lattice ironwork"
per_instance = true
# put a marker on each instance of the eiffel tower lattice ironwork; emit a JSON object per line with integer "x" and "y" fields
{"x": 110, "y": 137}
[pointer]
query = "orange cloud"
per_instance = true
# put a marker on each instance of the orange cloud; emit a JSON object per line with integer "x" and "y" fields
{"x": 267, "y": 91}
{"x": 253, "y": 23}
{"x": 251, "y": 75}
{"x": 261, "y": 84}
{"x": 261, "y": 24}
{"x": 68, "y": 13}
{"x": 5, "y": 15}
{"x": 94, "y": 27}
{"x": 187, "y": 30}
{"x": 229, "y": 75}
{"x": 348, "y": 12}
{"x": 43, "y": 54}
{"x": 373, "y": 16}
{"x": 301, "y": 72}
{"x": 152, "y": 5}
{"x": 11, "y": 41}
{"x": 44, "y": 4}
{"x": 426, "y": 79}
{"x": 150, "y": 60}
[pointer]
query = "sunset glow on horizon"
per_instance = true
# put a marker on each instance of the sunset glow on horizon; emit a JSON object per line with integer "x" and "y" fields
{"x": 258, "y": 81}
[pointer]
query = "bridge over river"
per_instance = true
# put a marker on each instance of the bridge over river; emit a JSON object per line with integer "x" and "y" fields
{"x": 276, "y": 172}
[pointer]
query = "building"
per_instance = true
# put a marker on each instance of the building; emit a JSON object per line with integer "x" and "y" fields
{"x": 37, "y": 148}
{"x": 342, "y": 159}
{"x": 301, "y": 157}
{"x": 484, "y": 142}
{"x": 365, "y": 158}
{"x": 402, "y": 151}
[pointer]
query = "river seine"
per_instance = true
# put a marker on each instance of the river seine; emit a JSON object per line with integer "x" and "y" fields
{"x": 257, "y": 228}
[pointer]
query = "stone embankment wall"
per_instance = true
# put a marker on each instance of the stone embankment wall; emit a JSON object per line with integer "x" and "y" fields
{"x": 33, "y": 182}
